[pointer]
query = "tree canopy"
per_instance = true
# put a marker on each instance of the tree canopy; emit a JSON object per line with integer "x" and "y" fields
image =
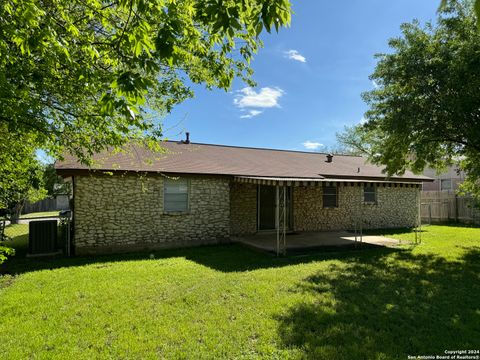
{"x": 425, "y": 109}
{"x": 54, "y": 184}
{"x": 475, "y": 3}
{"x": 21, "y": 175}
{"x": 81, "y": 75}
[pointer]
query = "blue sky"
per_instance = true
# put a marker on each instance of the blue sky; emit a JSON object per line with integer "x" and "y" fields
{"x": 309, "y": 78}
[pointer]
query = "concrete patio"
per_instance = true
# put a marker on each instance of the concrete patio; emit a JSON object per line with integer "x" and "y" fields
{"x": 267, "y": 241}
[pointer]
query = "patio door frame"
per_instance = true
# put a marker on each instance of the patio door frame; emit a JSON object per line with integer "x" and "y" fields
{"x": 289, "y": 213}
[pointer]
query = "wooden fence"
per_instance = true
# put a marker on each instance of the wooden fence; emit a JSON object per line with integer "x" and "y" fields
{"x": 443, "y": 206}
{"x": 60, "y": 202}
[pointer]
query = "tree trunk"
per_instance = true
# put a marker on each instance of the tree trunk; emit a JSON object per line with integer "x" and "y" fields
{"x": 16, "y": 211}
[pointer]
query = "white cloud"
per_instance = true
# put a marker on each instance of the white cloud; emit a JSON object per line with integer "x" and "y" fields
{"x": 250, "y": 114}
{"x": 267, "y": 97}
{"x": 375, "y": 85}
{"x": 312, "y": 145}
{"x": 363, "y": 121}
{"x": 295, "y": 55}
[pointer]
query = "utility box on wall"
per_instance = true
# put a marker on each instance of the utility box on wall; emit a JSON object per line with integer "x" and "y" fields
{"x": 42, "y": 237}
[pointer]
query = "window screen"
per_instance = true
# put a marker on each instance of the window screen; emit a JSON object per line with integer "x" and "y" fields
{"x": 330, "y": 198}
{"x": 369, "y": 194}
{"x": 176, "y": 195}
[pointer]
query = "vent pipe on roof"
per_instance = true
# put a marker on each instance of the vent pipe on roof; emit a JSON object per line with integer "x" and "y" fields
{"x": 329, "y": 158}
{"x": 187, "y": 138}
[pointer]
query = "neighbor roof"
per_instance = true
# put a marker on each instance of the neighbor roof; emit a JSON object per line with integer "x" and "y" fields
{"x": 194, "y": 158}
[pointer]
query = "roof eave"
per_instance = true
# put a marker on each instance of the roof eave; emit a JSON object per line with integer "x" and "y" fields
{"x": 66, "y": 172}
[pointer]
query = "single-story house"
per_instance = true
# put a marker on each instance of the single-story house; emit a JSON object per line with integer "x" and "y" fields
{"x": 196, "y": 193}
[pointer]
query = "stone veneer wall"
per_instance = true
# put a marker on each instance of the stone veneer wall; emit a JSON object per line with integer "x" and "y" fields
{"x": 119, "y": 213}
{"x": 395, "y": 207}
{"x": 243, "y": 208}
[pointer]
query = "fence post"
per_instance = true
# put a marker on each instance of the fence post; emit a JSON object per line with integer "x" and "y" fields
{"x": 456, "y": 208}
{"x": 450, "y": 206}
{"x": 430, "y": 214}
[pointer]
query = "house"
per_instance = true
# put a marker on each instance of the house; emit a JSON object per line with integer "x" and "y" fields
{"x": 201, "y": 193}
{"x": 441, "y": 200}
{"x": 449, "y": 180}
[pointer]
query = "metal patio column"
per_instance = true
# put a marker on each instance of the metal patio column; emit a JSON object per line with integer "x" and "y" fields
{"x": 281, "y": 218}
{"x": 277, "y": 215}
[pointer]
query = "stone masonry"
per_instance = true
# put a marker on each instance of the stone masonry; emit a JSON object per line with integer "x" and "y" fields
{"x": 116, "y": 213}
{"x": 396, "y": 206}
{"x": 243, "y": 209}
{"x": 120, "y": 213}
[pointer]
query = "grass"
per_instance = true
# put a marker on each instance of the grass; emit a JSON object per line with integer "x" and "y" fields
{"x": 230, "y": 302}
{"x": 19, "y": 235}
{"x": 39, "y": 214}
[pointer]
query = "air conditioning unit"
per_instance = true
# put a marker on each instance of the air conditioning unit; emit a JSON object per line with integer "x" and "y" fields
{"x": 42, "y": 237}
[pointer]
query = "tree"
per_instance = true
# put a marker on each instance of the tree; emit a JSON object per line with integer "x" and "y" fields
{"x": 54, "y": 184}
{"x": 425, "y": 110}
{"x": 475, "y": 3}
{"x": 4, "y": 252}
{"x": 339, "y": 148}
{"x": 21, "y": 174}
{"x": 83, "y": 75}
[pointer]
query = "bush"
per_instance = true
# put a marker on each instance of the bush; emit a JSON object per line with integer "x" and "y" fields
{"x": 4, "y": 252}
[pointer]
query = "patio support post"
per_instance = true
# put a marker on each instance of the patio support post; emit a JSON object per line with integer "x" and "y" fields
{"x": 284, "y": 221}
{"x": 355, "y": 230}
{"x": 281, "y": 218}
{"x": 361, "y": 212}
{"x": 356, "y": 220}
{"x": 418, "y": 222}
{"x": 420, "y": 212}
{"x": 277, "y": 216}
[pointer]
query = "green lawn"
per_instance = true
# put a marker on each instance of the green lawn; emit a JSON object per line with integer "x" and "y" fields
{"x": 39, "y": 214}
{"x": 231, "y": 302}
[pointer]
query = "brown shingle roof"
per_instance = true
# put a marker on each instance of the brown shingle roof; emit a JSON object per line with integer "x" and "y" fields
{"x": 196, "y": 158}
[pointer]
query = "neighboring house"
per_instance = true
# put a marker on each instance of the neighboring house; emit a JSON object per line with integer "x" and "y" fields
{"x": 201, "y": 193}
{"x": 442, "y": 203}
{"x": 446, "y": 181}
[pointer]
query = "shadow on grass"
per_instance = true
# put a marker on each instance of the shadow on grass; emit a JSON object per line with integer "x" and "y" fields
{"x": 401, "y": 231}
{"x": 452, "y": 223}
{"x": 387, "y": 307}
{"x": 393, "y": 231}
{"x": 224, "y": 258}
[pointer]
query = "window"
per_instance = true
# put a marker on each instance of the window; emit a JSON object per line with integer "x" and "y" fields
{"x": 446, "y": 184}
{"x": 330, "y": 197}
{"x": 175, "y": 195}
{"x": 369, "y": 194}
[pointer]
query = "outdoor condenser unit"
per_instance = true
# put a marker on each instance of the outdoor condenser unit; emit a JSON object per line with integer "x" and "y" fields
{"x": 42, "y": 237}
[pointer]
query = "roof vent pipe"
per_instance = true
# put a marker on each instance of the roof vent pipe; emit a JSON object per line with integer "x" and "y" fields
{"x": 329, "y": 158}
{"x": 187, "y": 138}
